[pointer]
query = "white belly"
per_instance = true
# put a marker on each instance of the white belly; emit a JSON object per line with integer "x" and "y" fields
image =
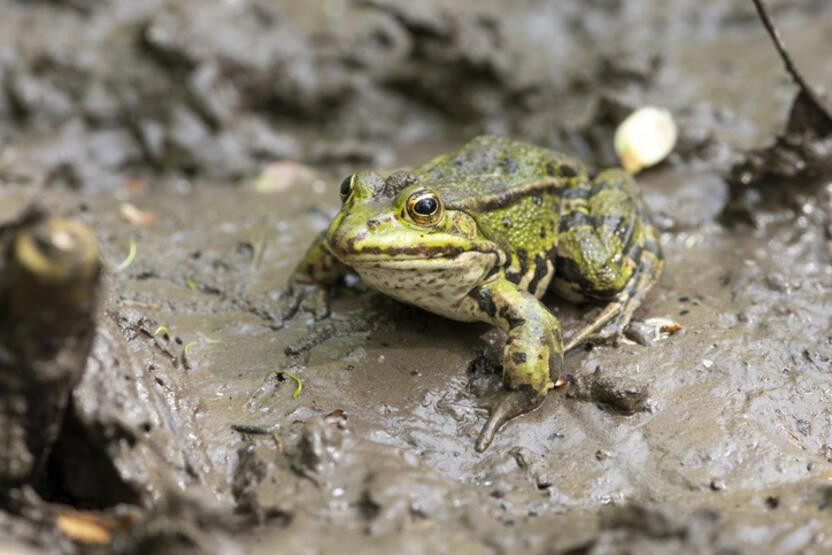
{"x": 440, "y": 286}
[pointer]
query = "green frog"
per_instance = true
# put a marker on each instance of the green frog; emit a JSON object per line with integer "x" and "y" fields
{"x": 481, "y": 234}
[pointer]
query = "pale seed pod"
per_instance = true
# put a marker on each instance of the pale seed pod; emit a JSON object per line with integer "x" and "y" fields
{"x": 645, "y": 138}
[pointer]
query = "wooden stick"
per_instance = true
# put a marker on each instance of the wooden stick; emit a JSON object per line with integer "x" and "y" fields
{"x": 787, "y": 60}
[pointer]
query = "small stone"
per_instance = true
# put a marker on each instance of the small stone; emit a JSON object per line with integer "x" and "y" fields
{"x": 645, "y": 138}
{"x": 601, "y": 455}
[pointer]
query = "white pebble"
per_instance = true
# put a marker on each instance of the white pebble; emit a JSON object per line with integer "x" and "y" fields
{"x": 645, "y": 138}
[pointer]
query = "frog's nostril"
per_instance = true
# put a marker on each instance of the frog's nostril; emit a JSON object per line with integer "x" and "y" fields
{"x": 373, "y": 223}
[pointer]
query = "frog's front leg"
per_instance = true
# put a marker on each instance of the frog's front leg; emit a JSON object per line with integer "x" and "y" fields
{"x": 533, "y": 354}
{"x": 311, "y": 282}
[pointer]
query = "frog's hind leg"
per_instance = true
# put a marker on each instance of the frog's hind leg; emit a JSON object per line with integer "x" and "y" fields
{"x": 613, "y": 319}
{"x": 608, "y": 251}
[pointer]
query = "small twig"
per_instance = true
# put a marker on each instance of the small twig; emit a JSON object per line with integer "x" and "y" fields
{"x": 257, "y": 255}
{"x": 791, "y": 68}
{"x": 186, "y": 350}
{"x": 131, "y": 256}
{"x": 254, "y": 429}
{"x": 297, "y": 380}
{"x": 139, "y": 304}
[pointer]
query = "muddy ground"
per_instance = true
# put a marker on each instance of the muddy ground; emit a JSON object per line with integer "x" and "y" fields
{"x": 715, "y": 440}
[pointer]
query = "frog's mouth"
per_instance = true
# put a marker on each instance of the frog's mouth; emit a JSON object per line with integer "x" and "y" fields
{"x": 399, "y": 256}
{"x": 404, "y": 262}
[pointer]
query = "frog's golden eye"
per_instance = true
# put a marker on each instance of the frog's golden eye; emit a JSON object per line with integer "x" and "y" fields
{"x": 346, "y": 187}
{"x": 424, "y": 207}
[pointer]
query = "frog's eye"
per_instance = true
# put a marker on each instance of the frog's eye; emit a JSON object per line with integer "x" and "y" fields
{"x": 424, "y": 207}
{"x": 346, "y": 187}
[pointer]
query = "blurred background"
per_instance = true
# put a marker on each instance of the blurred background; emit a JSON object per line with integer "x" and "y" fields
{"x": 93, "y": 92}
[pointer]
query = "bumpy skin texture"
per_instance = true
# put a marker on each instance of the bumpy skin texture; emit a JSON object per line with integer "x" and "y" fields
{"x": 512, "y": 220}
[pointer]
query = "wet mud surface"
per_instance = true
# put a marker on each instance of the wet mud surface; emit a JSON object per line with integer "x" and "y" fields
{"x": 713, "y": 440}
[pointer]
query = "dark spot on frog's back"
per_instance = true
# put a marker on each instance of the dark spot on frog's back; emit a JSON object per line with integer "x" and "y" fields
{"x": 581, "y": 191}
{"x": 541, "y": 270}
{"x": 572, "y": 220}
{"x": 551, "y": 169}
{"x": 569, "y": 271}
{"x": 523, "y": 258}
{"x": 508, "y": 164}
{"x": 522, "y": 262}
{"x": 560, "y": 170}
{"x": 567, "y": 171}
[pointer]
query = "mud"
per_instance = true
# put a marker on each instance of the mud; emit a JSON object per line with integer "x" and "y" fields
{"x": 713, "y": 440}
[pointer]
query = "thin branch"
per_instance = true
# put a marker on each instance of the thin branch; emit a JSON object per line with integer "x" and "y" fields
{"x": 787, "y": 60}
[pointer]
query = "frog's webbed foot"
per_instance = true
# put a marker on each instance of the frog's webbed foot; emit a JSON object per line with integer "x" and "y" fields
{"x": 612, "y": 323}
{"x": 637, "y": 331}
{"x": 507, "y": 405}
{"x": 307, "y": 298}
{"x": 532, "y": 357}
{"x": 606, "y": 329}
{"x": 310, "y": 285}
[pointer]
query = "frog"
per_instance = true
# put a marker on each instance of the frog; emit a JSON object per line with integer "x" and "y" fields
{"x": 481, "y": 235}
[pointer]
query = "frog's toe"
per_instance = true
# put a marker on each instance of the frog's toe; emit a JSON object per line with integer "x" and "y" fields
{"x": 321, "y": 304}
{"x": 508, "y": 405}
{"x": 610, "y": 334}
{"x": 616, "y": 332}
{"x": 303, "y": 297}
{"x": 290, "y": 302}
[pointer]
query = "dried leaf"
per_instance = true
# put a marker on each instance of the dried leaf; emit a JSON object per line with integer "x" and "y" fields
{"x": 136, "y": 216}
{"x": 86, "y": 527}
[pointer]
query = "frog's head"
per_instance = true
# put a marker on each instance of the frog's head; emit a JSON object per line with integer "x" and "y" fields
{"x": 395, "y": 221}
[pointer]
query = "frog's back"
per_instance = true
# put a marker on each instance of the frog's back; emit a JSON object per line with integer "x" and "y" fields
{"x": 489, "y": 167}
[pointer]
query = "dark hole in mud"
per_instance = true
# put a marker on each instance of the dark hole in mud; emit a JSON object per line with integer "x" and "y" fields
{"x": 825, "y": 498}
{"x": 80, "y": 471}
